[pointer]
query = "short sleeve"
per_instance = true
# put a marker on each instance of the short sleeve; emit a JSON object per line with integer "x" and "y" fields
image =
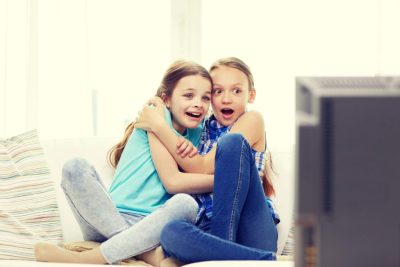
{"x": 194, "y": 134}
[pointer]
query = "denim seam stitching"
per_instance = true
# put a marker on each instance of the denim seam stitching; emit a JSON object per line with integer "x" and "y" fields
{"x": 235, "y": 200}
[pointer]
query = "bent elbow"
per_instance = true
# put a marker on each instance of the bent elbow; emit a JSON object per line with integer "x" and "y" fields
{"x": 172, "y": 190}
{"x": 172, "y": 187}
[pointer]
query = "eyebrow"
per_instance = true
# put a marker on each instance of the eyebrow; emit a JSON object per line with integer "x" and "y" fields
{"x": 188, "y": 89}
{"x": 232, "y": 84}
{"x": 192, "y": 89}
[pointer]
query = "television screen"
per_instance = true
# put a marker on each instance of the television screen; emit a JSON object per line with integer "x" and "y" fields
{"x": 347, "y": 171}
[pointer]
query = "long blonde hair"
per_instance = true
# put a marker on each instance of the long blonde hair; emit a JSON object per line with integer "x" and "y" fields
{"x": 238, "y": 64}
{"x": 176, "y": 71}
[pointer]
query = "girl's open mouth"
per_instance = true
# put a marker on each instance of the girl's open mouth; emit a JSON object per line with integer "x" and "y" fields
{"x": 226, "y": 111}
{"x": 194, "y": 114}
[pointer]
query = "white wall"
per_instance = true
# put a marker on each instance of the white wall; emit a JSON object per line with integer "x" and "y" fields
{"x": 120, "y": 49}
{"x": 115, "y": 50}
{"x": 284, "y": 39}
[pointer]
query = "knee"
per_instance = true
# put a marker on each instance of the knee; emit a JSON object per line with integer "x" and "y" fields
{"x": 231, "y": 143}
{"x": 172, "y": 236}
{"x": 169, "y": 232}
{"x": 185, "y": 205}
{"x": 231, "y": 138}
{"x": 72, "y": 170}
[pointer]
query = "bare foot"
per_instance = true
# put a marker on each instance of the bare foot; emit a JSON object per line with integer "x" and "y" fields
{"x": 153, "y": 257}
{"x": 50, "y": 252}
{"x": 53, "y": 253}
{"x": 170, "y": 262}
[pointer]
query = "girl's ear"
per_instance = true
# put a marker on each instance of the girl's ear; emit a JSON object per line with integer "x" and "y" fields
{"x": 252, "y": 95}
{"x": 166, "y": 100}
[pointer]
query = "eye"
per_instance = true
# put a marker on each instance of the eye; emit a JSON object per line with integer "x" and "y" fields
{"x": 188, "y": 95}
{"x": 216, "y": 91}
{"x": 206, "y": 98}
{"x": 237, "y": 90}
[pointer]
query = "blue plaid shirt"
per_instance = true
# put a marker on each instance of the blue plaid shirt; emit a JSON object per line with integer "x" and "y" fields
{"x": 212, "y": 131}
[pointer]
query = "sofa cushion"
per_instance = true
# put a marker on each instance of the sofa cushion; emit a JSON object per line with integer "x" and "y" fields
{"x": 288, "y": 248}
{"x": 28, "y": 206}
{"x": 59, "y": 151}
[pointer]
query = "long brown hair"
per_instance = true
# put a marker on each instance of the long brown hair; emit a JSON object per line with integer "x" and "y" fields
{"x": 238, "y": 64}
{"x": 176, "y": 71}
{"x": 269, "y": 170}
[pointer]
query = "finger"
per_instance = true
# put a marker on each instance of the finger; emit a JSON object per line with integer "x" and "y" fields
{"x": 193, "y": 153}
{"x": 159, "y": 107}
{"x": 187, "y": 150}
{"x": 150, "y": 101}
{"x": 181, "y": 140}
{"x": 181, "y": 149}
{"x": 158, "y": 101}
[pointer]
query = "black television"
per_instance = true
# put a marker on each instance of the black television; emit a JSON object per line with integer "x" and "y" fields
{"x": 347, "y": 192}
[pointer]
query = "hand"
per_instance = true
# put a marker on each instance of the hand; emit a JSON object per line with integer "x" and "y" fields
{"x": 185, "y": 148}
{"x": 158, "y": 103}
{"x": 151, "y": 115}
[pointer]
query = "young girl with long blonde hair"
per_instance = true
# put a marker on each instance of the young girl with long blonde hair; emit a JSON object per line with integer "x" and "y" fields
{"x": 238, "y": 221}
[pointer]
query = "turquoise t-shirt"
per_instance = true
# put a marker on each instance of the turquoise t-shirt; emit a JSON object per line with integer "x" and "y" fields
{"x": 136, "y": 187}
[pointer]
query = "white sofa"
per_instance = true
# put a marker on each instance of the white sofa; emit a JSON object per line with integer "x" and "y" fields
{"x": 95, "y": 149}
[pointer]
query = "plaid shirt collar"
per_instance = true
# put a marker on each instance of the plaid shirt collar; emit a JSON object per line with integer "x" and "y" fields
{"x": 211, "y": 132}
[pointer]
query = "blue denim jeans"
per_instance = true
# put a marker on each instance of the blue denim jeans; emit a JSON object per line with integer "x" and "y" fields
{"x": 241, "y": 227}
{"x": 122, "y": 235}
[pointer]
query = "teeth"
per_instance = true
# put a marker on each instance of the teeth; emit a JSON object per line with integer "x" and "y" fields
{"x": 194, "y": 114}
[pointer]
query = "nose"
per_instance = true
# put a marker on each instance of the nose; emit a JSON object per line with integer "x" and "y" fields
{"x": 226, "y": 97}
{"x": 197, "y": 103}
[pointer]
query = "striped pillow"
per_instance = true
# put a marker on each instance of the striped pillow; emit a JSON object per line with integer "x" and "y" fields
{"x": 28, "y": 206}
{"x": 288, "y": 249}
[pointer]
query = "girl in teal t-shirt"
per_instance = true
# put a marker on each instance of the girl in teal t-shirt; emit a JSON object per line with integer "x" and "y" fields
{"x": 136, "y": 187}
{"x": 129, "y": 218}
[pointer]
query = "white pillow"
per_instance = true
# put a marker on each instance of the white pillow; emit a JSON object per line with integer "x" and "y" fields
{"x": 28, "y": 206}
